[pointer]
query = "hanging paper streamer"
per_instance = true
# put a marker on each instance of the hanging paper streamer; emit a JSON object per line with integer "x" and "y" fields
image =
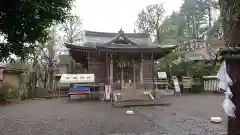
{"x": 224, "y": 83}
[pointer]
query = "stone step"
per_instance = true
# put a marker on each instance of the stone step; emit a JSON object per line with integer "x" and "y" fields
{"x": 134, "y": 95}
{"x": 141, "y": 103}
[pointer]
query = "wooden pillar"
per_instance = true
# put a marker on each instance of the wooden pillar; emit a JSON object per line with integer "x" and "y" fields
{"x": 89, "y": 61}
{"x": 122, "y": 81}
{"x": 111, "y": 70}
{"x": 134, "y": 74}
{"x": 107, "y": 69}
{"x": 141, "y": 69}
{"x": 153, "y": 76}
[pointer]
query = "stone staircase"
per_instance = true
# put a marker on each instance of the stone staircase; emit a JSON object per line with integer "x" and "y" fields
{"x": 133, "y": 95}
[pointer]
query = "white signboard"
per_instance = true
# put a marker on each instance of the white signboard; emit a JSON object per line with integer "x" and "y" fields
{"x": 77, "y": 78}
{"x": 108, "y": 91}
{"x": 176, "y": 84}
{"x": 162, "y": 75}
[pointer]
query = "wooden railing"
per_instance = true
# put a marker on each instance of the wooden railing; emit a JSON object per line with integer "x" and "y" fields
{"x": 211, "y": 84}
{"x": 147, "y": 84}
{"x": 159, "y": 83}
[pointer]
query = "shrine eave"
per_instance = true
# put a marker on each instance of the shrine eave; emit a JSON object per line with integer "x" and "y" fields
{"x": 73, "y": 47}
{"x": 147, "y": 50}
{"x": 119, "y": 48}
{"x": 158, "y": 52}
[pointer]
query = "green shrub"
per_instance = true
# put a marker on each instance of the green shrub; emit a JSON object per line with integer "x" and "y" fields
{"x": 12, "y": 93}
{"x": 3, "y": 97}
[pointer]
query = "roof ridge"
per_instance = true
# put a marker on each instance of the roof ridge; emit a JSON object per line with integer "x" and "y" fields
{"x": 125, "y": 38}
{"x": 95, "y": 33}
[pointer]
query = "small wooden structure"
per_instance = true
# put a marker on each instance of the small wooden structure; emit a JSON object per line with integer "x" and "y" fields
{"x": 10, "y": 76}
{"x": 124, "y": 61}
{"x": 10, "y": 82}
{"x": 187, "y": 82}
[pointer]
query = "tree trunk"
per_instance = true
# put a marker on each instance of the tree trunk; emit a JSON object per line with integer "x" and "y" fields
{"x": 231, "y": 26}
{"x": 51, "y": 64}
{"x": 209, "y": 18}
{"x": 194, "y": 27}
{"x": 234, "y": 74}
{"x": 33, "y": 79}
{"x": 45, "y": 78}
{"x": 51, "y": 90}
{"x": 34, "y": 83}
{"x": 188, "y": 26}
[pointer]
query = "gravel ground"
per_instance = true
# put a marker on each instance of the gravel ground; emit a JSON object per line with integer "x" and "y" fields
{"x": 189, "y": 115}
{"x": 60, "y": 117}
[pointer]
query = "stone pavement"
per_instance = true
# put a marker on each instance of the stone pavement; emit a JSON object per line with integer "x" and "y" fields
{"x": 188, "y": 115}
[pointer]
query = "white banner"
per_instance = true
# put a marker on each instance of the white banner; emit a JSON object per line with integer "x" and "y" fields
{"x": 77, "y": 78}
{"x": 224, "y": 83}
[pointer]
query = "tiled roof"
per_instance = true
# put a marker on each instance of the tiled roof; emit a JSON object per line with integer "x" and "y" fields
{"x": 118, "y": 42}
{"x": 107, "y": 34}
{"x": 104, "y": 37}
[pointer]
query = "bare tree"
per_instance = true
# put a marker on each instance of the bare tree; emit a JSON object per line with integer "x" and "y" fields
{"x": 72, "y": 29}
{"x": 51, "y": 61}
{"x": 150, "y": 19}
{"x": 72, "y": 32}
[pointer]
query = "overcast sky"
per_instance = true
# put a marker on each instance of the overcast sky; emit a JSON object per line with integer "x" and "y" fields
{"x": 111, "y": 15}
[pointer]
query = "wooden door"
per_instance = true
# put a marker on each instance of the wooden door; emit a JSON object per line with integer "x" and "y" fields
{"x": 127, "y": 78}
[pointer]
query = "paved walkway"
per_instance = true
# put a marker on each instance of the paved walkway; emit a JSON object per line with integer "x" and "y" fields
{"x": 188, "y": 115}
